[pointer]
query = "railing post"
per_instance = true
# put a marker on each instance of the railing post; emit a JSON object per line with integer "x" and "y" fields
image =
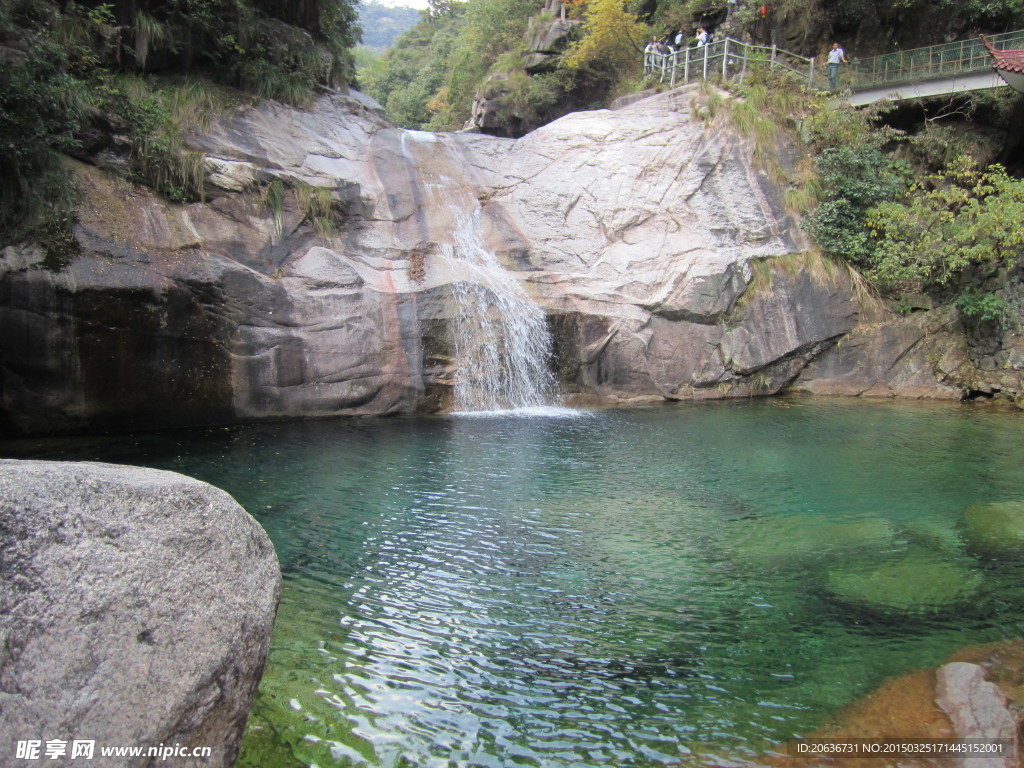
{"x": 675, "y": 62}
{"x": 774, "y": 52}
{"x": 705, "y": 75}
{"x": 746, "y": 56}
{"x": 725, "y": 60}
{"x": 686, "y": 67}
{"x": 810, "y": 76}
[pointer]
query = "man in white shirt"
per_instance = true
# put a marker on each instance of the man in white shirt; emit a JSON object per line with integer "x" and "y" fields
{"x": 835, "y": 56}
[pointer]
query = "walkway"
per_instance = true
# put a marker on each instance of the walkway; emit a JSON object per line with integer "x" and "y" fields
{"x": 913, "y": 74}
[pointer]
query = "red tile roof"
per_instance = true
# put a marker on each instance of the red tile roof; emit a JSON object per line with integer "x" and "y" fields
{"x": 1011, "y": 60}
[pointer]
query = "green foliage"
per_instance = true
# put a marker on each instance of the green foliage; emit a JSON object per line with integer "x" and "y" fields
{"x": 273, "y": 201}
{"x": 410, "y": 80}
{"x": 157, "y": 116}
{"x": 855, "y": 181}
{"x": 431, "y": 76}
{"x": 490, "y": 28}
{"x": 41, "y": 109}
{"x": 613, "y": 39}
{"x": 382, "y": 25}
{"x": 855, "y": 175}
{"x": 956, "y": 219}
{"x": 319, "y": 207}
{"x": 985, "y": 307}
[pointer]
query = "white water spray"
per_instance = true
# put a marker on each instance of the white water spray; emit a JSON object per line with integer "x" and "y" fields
{"x": 500, "y": 336}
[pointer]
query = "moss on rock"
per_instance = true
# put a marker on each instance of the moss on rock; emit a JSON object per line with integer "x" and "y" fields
{"x": 772, "y": 541}
{"x": 915, "y": 584}
{"x": 995, "y": 529}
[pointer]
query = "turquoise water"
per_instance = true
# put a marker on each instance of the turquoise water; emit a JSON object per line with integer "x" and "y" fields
{"x": 638, "y": 587}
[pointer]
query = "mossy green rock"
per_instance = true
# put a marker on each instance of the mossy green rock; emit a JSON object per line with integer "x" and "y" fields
{"x": 912, "y": 585}
{"x": 997, "y": 528}
{"x": 773, "y": 541}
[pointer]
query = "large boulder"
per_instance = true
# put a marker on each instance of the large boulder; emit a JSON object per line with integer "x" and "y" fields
{"x": 136, "y": 608}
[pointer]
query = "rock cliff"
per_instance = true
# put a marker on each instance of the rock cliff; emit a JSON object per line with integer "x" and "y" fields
{"x": 665, "y": 261}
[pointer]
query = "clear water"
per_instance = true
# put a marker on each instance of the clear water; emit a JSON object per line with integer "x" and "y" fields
{"x": 638, "y": 587}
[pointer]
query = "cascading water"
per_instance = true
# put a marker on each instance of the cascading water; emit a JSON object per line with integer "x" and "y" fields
{"x": 499, "y": 334}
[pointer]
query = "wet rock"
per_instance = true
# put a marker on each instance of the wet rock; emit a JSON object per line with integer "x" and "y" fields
{"x": 921, "y": 356}
{"x": 136, "y": 605}
{"x": 636, "y": 230}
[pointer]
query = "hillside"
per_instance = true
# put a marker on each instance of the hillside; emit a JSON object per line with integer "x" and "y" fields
{"x": 463, "y": 51}
{"x": 382, "y": 25}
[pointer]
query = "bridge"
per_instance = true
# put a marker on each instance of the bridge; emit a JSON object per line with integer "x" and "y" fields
{"x": 955, "y": 67}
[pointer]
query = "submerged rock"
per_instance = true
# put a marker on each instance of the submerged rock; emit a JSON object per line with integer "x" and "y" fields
{"x": 914, "y": 585}
{"x": 792, "y": 539}
{"x": 136, "y": 606}
{"x": 995, "y": 529}
{"x": 975, "y": 694}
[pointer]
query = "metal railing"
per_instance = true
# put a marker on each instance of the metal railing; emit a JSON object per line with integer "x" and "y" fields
{"x": 918, "y": 64}
{"x": 730, "y": 59}
{"x": 726, "y": 59}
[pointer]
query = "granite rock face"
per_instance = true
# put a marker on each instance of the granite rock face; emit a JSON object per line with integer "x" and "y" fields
{"x": 639, "y": 231}
{"x": 136, "y": 606}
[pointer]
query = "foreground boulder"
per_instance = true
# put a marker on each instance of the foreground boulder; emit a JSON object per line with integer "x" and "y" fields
{"x": 136, "y": 606}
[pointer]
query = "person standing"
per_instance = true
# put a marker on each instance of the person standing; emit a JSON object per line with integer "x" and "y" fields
{"x": 835, "y": 56}
{"x": 649, "y": 55}
{"x": 702, "y": 37}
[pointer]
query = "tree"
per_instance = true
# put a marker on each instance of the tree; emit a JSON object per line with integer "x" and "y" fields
{"x": 956, "y": 219}
{"x": 612, "y": 38}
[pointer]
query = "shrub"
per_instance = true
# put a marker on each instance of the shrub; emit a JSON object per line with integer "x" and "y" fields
{"x": 855, "y": 180}
{"x": 955, "y": 219}
{"x": 41, "y": 110}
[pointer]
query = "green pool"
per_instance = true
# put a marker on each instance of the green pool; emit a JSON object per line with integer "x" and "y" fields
{"x": 638, "y": 587}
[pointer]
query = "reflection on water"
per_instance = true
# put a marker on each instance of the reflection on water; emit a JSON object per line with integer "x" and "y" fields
{"x": 633, "y": 588}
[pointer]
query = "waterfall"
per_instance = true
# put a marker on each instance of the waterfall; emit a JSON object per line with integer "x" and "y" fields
{"x": 500, "y": 337}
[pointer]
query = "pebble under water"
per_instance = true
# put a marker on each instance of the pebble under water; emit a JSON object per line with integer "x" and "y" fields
{"x": 674, "y": 585}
